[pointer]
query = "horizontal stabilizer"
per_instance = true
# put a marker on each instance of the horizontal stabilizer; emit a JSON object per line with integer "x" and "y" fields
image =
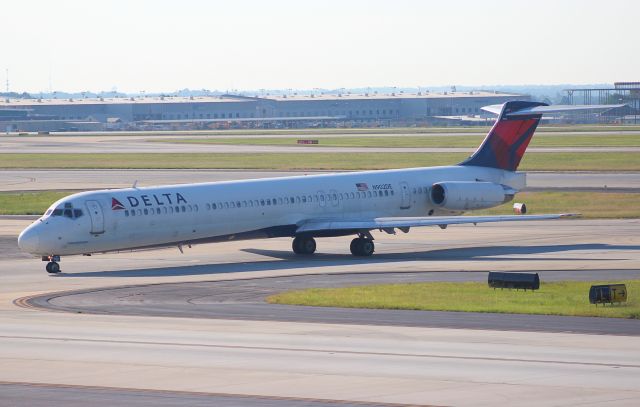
{"x": 313, "y": 226}
{"x": 535, "y": 110}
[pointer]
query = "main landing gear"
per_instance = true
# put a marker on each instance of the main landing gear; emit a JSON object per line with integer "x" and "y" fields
{"x": 52, "y": 266}
{"x": 304, "y": 245}
{"x": 362, "y": 247}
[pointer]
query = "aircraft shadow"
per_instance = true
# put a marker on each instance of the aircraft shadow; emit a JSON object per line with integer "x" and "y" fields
{"x": 289, "y": 260}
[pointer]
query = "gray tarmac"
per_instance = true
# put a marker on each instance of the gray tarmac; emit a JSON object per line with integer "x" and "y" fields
{"x": 114, "y": 356}
{"x": 42, "y": 395}
{"x": 53, "y": 179}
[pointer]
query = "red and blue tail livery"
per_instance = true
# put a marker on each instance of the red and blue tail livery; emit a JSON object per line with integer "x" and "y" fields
{"x": 507, "y": 141}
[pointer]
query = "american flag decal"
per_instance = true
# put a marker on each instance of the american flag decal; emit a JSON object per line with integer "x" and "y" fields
{"x": 116, "y": 205}
{"x": 362, "y": 186}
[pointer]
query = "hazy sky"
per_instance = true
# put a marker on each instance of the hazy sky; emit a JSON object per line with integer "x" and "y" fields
{"x": 248, "y": 44}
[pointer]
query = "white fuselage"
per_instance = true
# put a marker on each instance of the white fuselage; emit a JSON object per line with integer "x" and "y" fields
{"x": 132, "y": 218}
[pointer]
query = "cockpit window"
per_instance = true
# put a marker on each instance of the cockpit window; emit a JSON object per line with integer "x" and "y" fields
{"x": 66, "y": 210}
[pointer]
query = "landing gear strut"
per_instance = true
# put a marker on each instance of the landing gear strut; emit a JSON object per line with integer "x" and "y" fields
{"x": 304, "y": 245}
{"x": 362, "y": 247}
{"x": 52, "y": 266}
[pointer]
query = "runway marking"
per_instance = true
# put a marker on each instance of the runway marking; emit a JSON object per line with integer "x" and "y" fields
{"x": 210, "y": 394}
{"x": 329, "y": 351}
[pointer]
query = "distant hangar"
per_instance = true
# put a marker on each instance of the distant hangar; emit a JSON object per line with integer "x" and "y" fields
{"x": 171, "y": 112}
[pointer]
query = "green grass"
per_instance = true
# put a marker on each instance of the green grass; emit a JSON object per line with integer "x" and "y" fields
{"x": 318, "y": 161}
{"x": 544, "y": 140}
{"x": 359, "y": 130}
{"x": 553, "y": 298}
{"x": 591, "y": 205}
{"x": 28, "y": 203}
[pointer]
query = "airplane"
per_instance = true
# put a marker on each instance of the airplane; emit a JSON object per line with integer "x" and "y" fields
{"x": 301, "y": 207}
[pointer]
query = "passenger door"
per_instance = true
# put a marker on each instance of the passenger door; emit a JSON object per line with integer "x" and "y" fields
{"x": 97, "y": 217}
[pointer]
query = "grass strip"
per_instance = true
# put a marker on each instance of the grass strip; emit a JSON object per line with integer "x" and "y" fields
{"x": 28, "y": 203}
{"x": 554, "y": 298}
{"x": 356, "y": 130}
{"x": 590, "y": 205}
{"x": 615, "y": 161}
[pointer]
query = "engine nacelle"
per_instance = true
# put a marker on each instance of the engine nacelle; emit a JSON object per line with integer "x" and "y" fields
{"x": 465, "y": 195}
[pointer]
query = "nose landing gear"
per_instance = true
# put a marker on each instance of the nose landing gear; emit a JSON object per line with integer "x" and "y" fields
{"x": 52, "y": 266}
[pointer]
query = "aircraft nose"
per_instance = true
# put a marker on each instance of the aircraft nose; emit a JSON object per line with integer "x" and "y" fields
{"x": 29, "y": 239}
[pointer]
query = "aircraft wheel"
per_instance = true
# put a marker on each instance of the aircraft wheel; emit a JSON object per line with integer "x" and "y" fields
{"x": 367, "y": 247}
{"x": 304, "y": 245}
{"x": 362, "y": 247}
{"x": 53, "y": 267}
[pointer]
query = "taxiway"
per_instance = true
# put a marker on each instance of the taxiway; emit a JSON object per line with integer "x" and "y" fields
{"x": 114, "y": 356}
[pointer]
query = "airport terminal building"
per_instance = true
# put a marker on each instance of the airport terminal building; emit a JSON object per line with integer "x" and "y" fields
{"x": 237, "y": 111}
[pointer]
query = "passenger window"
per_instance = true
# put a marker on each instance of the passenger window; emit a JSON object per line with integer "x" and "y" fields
{"x": 292, "y": 200}
{"x": 386, "y": 192}
{"x": 353, "y": 195}
{"x": 280, "y": 201}
{"x": 214, "y": 206}
{"x": 177, "y": 209}
{"x": 262, "y": 202}
{"x": 226, "y": 205}
{"x": 133, "y": 212}
{"x": 391, "y": 192}
{"x": 269, "y": 202}
{"x": 158, "y": 211}
{"x": 146, "y": 211}
{"x": 208, "y": 206}
{"x": 182, "y": 208}
{"x": 139, "y": 212}
{"x": 369, "y": 194}
{"x": 335, "y": 197}
{"x": 297, "y": 199}
{"x": 126, "y": 212}
{"x": 375, "y": 193}
{"x": 238, "y": 204}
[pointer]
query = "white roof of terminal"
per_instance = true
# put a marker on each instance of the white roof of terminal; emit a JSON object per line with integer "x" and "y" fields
{"x": 232, "y": 98}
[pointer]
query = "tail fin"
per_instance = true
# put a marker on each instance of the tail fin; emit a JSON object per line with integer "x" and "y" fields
{"x": 508, "y": 139}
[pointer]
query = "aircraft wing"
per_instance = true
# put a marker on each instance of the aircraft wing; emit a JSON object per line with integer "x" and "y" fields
{"x": 312, "y": 226}
{"x": 497, "y": 109}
